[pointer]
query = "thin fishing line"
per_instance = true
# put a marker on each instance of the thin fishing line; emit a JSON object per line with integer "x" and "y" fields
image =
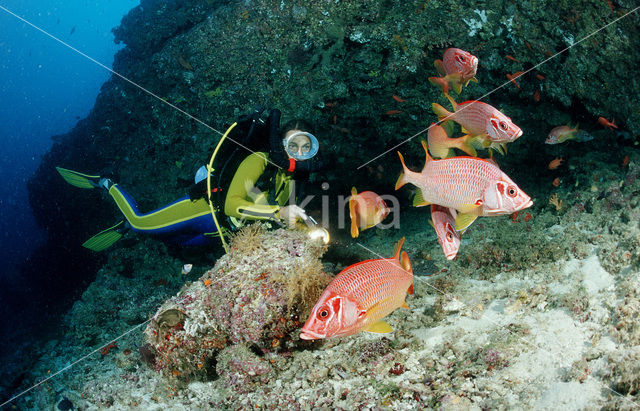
{"x": 73, "y": 363}
{"x": 492, "y": 321}
{"x": 499, "y": 87}
{"x": 104, "y": 346}
{"x": 128, "y": 80}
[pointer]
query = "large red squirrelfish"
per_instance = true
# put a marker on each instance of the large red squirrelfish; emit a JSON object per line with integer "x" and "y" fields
{"x": 443, "y": 221}
{"x": 360, "y": 296}
{"x": 480, "y": 119}
{"x": 472, "y": 186}
{"x": 366, "y": 210}
{"x": 457, "y": 68}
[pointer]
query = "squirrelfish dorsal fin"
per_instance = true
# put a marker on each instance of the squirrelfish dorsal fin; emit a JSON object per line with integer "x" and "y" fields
{"x": 397, "y": 248}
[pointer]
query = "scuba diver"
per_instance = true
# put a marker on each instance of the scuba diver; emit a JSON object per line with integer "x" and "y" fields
{"x": 262, "y": 186}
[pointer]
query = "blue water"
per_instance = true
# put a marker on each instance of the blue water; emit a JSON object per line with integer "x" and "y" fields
{"x": 45, "y": 89}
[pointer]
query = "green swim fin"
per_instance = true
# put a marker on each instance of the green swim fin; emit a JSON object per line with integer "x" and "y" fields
{"x": 78, "y": 179}
{"x": 104, "y": 239}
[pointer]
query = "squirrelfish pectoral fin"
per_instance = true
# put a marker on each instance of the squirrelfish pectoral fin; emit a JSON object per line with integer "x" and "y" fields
{"x": 419, "y": 201}
{"x": 475, "y": 80}
{"x": 464, "y": 220}
{"x": 381, "y": 327}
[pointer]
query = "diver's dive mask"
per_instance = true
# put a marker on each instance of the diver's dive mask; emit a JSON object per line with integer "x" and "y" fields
{"x": 301, "y": 145}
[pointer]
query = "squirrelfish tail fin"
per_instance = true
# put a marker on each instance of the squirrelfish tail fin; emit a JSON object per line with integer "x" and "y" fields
{"x": 402, "y": 179}
{"x": 405, "y": 263}
{"x": 464, "y": 143}
{"x": 440, "y": 111}
{"x": 353, "y": 203}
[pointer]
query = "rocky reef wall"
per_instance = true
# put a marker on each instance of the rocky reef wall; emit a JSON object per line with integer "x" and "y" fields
{"x": 337, "y": 64}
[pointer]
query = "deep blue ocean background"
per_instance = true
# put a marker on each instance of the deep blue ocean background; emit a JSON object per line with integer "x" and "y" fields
{"x": 45, "y": 89}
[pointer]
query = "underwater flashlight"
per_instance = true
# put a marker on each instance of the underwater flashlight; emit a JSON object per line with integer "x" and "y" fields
{"x": 315, "y": 231}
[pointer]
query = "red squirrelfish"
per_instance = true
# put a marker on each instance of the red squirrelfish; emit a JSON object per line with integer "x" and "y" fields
{"x": 443, "y": 220}
{"x": 472, "y": 186}
{"x": 480, "y": 119}
{"x": 561, "y": 134}
{"x": 366, "y": 210}
{"x": 458, "y": 67}
{"x": 360, "y": 296}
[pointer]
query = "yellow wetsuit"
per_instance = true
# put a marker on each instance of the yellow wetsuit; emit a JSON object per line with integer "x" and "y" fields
{"x": 245, "y": 201}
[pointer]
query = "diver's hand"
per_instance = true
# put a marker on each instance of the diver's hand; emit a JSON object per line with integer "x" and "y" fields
{"x": 290, "y": 214}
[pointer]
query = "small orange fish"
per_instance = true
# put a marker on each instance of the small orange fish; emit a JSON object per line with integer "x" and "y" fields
{"x": 526, "y": 43}
{"x": 536, "y": 96}
{"x": 512, "y": 79}
{"x": 360, "y": 296}
{"x": 207, "y": 282}
{"x": 540, "y": 77}
{"x": 512, "y": 58}
{"x": 393, "y": 112}
{"x": 366, "y": 210}
{"x": 555, "y": 163}
{"x": 625, "y": 161}
{"x": 556, "y": 182}
{"x": 606, "y": 123}
{"x": 398, "y": 99}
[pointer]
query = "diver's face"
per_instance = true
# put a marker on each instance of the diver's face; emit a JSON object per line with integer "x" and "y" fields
{"x": 298, "y": 145}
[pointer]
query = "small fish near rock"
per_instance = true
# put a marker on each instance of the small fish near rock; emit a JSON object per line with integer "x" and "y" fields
{"x": 360, "y": 296}
{"x": 561, "y": 134}
{"x": 366, "y": 210}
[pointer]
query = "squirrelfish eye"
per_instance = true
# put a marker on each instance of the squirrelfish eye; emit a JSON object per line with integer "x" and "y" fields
{"x": 511, "y": 191}
{"x": 503, "y": 125}
{"x": 449, "y": 237}
{"x": 322, "y": 314}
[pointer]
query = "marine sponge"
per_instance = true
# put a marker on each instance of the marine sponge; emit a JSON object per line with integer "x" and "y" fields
{"x": 255, "y": 295}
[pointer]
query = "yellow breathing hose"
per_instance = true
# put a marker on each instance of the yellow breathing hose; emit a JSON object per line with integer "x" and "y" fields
{"x": 209, "y": 171}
